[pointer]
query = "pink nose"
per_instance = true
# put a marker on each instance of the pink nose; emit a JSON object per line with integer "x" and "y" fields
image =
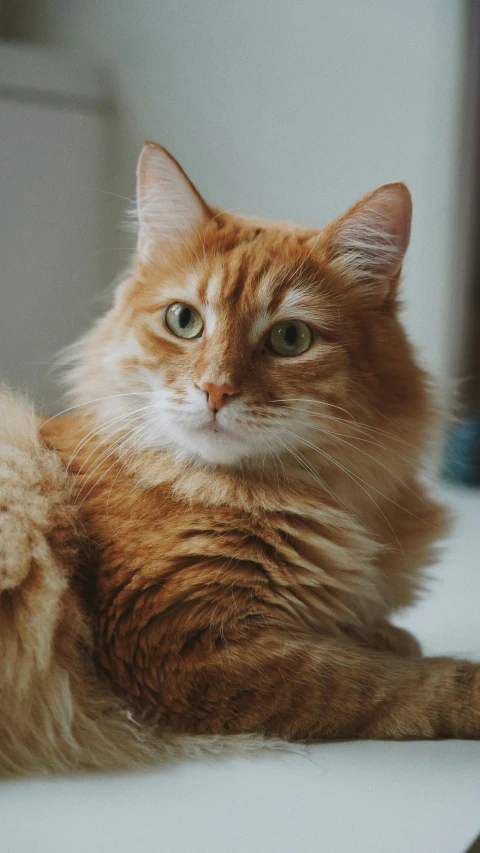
{"x": 217, "y": 395}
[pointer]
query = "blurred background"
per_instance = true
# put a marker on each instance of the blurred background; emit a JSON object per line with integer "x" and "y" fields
{"x": 289, "y": 110}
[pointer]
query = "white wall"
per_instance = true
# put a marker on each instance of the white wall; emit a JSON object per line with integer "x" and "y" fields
{"x": 52, "y": 157}
{"x": 293, "y": 110}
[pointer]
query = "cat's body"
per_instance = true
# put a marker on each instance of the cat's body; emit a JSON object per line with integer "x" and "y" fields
{"x": 196, "y": 581}
{"x": 246, "y": 454}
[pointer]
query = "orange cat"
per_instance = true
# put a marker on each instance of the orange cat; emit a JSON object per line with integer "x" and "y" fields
{"x": 245, "y": 452}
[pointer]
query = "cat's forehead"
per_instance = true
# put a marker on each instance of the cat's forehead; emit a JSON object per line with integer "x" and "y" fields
{"x": 272, "y": 269}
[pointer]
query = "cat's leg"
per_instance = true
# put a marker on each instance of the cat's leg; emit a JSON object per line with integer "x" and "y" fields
{"x": 247, "y": 678}
{"x": 386, "y": 637}
{"x": 335, "y": 688}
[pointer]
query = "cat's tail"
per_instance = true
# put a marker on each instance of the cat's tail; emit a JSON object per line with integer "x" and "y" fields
{"x": 56, "y": 714}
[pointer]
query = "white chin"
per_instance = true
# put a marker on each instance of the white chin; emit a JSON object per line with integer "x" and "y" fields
{"x": 216, "y": 448}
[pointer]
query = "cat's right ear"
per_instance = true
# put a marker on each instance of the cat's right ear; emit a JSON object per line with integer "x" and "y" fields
{"x": 368, "y": 243}
{"x": 169, "y": 208}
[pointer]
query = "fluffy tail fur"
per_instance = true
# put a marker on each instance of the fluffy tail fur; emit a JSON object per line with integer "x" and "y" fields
{"x": 55, "y": 712}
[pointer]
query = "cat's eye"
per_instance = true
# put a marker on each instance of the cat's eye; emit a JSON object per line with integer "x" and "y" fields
{"x": 292, "y": 337}
{"x": 183, "y": 321}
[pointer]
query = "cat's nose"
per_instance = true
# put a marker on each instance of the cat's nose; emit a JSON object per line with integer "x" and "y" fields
{"x": 218, "y": 395}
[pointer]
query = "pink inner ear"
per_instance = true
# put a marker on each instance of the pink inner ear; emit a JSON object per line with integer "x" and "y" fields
{"x": 394, "y": 209}
{"x": 372, "y": 237}
{"x": 168, "y": 205}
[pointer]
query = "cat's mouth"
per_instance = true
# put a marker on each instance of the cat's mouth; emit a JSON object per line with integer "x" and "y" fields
{"x": 212, "y": 427}
{"x": 211, "y": 441}
{"x": 222, "y": 438}
{"x": 210, "y": 424}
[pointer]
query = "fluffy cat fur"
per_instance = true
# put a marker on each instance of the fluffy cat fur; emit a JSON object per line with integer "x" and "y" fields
{"x": 56, "y": 714}
{"x": 217, "y": 532}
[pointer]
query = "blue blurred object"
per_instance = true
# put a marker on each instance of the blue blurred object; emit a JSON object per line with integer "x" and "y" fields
{"x": 462, "y": 452}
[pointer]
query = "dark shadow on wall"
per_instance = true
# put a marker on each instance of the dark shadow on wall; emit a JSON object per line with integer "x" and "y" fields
{"x": 463, "y": 442}
{"x": 15, "y": 18}
{"x": 475, "y": 847}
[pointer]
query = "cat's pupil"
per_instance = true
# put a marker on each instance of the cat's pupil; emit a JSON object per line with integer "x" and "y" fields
{"x": 290, "y": 336}
{"x": 184, "y": 317}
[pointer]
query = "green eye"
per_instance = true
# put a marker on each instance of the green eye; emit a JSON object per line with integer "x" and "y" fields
{"x": 183, "y": 320}
{"x": 291, "y": 337}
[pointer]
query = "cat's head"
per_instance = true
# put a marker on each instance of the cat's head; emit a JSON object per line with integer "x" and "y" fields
{"x": 236, "y": 339}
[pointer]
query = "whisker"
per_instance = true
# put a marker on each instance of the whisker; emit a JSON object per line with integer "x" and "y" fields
{"x": 310, "y": 400}
{"x": 357, "y": 450}
{"x": 358, "y": 482}
{"x": 98, "y": 429}
{"x": 370, "y": 440}
{"x": 96, "y": 400}
{"x": 354, "y": 424}
{"x": 270, "y": 453}
{"x": 305, "y": 464}
{"x": 125, "y": 463}
{"x": 393, "y": 474}
{"x": 276, "y": 455}
{"x": 109, "y": 450}
{"x": 104, "y": 426}
{"x": 113, "y": 452}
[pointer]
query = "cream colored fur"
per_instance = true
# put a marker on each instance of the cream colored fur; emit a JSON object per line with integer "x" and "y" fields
{"x": 55, "y": 713}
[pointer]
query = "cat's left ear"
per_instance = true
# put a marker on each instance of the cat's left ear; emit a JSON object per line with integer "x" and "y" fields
{"x": 368, "y": 243}
{"x": 169, "y": 208}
